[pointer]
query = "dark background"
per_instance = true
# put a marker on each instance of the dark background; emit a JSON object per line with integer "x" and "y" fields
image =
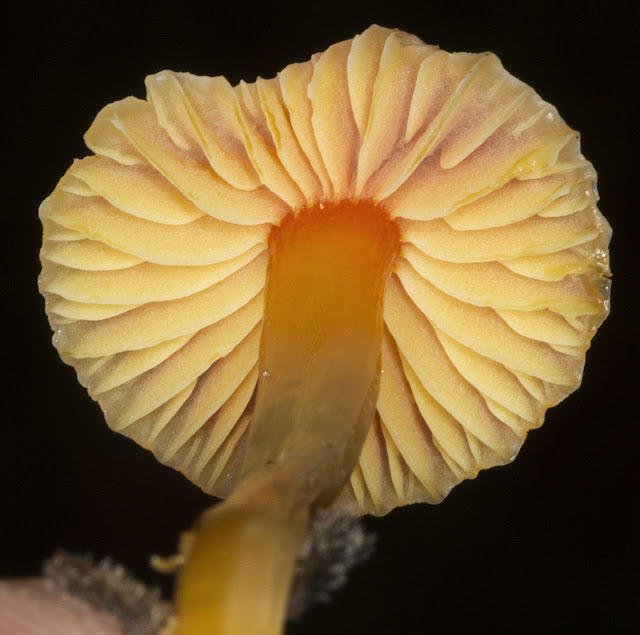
{"x": 549, "y": 543}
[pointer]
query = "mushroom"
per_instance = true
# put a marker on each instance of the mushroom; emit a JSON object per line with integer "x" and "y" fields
{"x": 351, "y": 286}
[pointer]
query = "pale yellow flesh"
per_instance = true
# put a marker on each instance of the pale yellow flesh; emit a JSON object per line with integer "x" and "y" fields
{"x": 317, "y": 395}
{"x": 155, "y": 256}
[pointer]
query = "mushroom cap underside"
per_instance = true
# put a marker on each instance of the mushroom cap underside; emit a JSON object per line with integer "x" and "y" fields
{"x": 155, "y": 255}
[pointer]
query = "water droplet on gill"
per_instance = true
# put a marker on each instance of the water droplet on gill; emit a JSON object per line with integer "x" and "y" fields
{"x": 514, "y": 454}
{"x": 266, "y": 374}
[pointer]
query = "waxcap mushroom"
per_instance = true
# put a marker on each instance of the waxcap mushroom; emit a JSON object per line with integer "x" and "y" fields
{"x": 156, "y": 250}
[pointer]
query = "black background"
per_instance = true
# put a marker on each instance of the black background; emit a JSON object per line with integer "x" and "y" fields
{"x": 549, "y": 543}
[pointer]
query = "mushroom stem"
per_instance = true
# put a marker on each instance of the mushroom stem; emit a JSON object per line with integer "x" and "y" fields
{"x": 240, "y": 563}
{"x": 317, "y": 394}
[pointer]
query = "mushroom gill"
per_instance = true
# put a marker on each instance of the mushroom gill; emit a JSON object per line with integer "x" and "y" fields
{"x": 431, "y": 201}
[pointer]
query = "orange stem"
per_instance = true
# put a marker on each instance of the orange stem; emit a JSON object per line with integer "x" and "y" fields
{"x": 317, "y": 394}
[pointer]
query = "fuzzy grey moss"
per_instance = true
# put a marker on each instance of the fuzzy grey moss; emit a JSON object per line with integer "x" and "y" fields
{"x": 108, "y": 587}
{"x": 336, "y": 542}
